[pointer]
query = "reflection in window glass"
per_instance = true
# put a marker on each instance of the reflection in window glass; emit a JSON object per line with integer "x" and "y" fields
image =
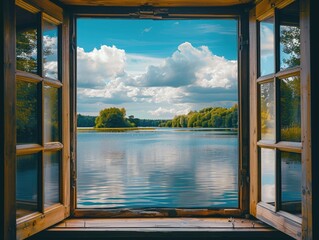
{"x": 51, "y": 178}
{"x": 51, "y": 114}
{"x": 290, "y": 109}
{"x": 50, "y": 50}
{"x": 289, "y": 36}
{"x": 267, "y": 111}
{"x": 26, "y": 41}
{"x": 27, "y": 113}
{"x": 268, "y": 175}
{"x": 267, "y": 47}
{"x": 27, "y": 184}
{"x": 291, "y": 182}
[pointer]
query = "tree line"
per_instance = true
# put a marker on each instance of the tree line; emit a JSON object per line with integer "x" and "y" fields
{"x": 214, "y": 117}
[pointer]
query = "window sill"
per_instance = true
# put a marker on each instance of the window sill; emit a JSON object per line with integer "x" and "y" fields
{"x": 161, "y": 228}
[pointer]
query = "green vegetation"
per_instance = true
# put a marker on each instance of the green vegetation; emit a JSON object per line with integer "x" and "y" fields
{"x": 85, "y": 121}
{"x": 112, "y": 118}
{"x": 217, "y": 117}
{"x": 119, "y": 129}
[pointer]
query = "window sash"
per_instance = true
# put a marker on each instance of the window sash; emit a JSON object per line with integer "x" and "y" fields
{"x": 48, "y": 215}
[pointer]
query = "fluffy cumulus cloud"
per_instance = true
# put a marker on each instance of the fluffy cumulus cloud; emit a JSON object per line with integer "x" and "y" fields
{"x": 50, "y": 44}
{"x": 189, "y": 65}
{"x": 100, "y": 66}
{"x": 191, "y": 76}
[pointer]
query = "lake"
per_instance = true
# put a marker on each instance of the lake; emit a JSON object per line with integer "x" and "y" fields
{"x": 159, "y": 168}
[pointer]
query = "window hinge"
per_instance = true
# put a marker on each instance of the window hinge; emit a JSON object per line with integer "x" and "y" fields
{"x": 149, "y": 12}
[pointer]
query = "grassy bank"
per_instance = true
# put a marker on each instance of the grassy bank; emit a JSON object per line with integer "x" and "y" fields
{"x": 124, "y": 129}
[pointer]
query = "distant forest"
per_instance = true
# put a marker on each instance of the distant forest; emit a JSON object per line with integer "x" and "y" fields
{"x": 214, "y": 117}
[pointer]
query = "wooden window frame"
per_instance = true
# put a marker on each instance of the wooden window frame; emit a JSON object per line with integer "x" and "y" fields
{"x": 47, "y": 216}
{"x": 299, "y": 228}
{"x": 172, "y": 13}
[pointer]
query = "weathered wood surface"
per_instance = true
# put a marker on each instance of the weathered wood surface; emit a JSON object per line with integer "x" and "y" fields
{"x": 162, "y": 228}
{"x": 165, "y": 3}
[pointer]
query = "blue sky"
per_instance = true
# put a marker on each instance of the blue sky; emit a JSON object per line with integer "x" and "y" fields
{"x": 156, "y": 68}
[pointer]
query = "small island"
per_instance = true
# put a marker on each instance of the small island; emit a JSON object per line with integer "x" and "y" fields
{"x": 114, "y": 120}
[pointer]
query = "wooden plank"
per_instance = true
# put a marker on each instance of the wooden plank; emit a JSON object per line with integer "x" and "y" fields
{"x": 162, "y": 228}
{"x": 72, "y": 109}
{"x": 39, "y": 222}
{"x": 162, "y": 3}
{"x": 309, "y": 119}
{"x": 243, "y": 110}
{"x": 65, "y": 74}
{"x": 155, "y": 213}
{"x": 47, "y": 6}
{"x": 7, "y": 117}
{"x": 253, "y": 156}
{"x": 163, "y": 223}
{"x": 280, "y": 222}
{"x": 266, "y": 8}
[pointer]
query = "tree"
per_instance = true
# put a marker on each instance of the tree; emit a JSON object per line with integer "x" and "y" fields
{"x": 290, "y": 41}
{"x": 111, "y": 118}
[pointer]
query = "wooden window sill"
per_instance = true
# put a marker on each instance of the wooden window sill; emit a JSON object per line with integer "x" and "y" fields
{"x": 161, "y": 228}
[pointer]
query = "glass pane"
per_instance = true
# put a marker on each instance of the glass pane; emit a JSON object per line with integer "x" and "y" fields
{"x": 267, "y": 47}
{"x": 267, "y": 111}
{"x": 290, "y": 109}
{"x": 27, "y": 184}
{"x": 27, "y": 113}
{"x": 289, "y": 36}
{"x": 51, "y": 178}
{"x": 268, "y": 175}
{"x": 26, "y": 40}
{"x": 50, "y": 50}
{"x": 51, "y": 114}
{"x": 291, "y": 182}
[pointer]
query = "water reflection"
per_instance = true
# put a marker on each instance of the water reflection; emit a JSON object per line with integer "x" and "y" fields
{"x": 157, "y": 169}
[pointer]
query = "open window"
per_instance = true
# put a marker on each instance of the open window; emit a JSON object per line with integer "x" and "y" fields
{"x": 279, "y": 116}
{"x": 160, "y": 171}
{"x": 42, "y": 166}
{"x": 38, "y": 142}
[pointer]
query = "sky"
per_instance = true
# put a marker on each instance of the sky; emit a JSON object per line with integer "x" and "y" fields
{"x": 156, "y": 69}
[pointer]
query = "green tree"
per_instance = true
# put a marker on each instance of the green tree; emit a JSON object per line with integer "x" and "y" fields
{"x": 290, "y": 42}
{"x": 111, "y": 118}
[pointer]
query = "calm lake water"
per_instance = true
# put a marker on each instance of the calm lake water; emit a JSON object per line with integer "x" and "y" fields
{"x": 164, "y": 168}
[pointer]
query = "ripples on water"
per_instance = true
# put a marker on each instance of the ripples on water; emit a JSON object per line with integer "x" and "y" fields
{"x": 165, "y": 168}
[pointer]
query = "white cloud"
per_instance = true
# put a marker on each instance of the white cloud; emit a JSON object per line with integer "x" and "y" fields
{"x": 191, "y": 76}
{"x": 188, "y": 66}
{"x": 96, "y": 68}
{"x": 147, "y": 29}
{"x": 169, "y": 112}
{"x": 51, "y": 69}
{"x": 267, "y": 40}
